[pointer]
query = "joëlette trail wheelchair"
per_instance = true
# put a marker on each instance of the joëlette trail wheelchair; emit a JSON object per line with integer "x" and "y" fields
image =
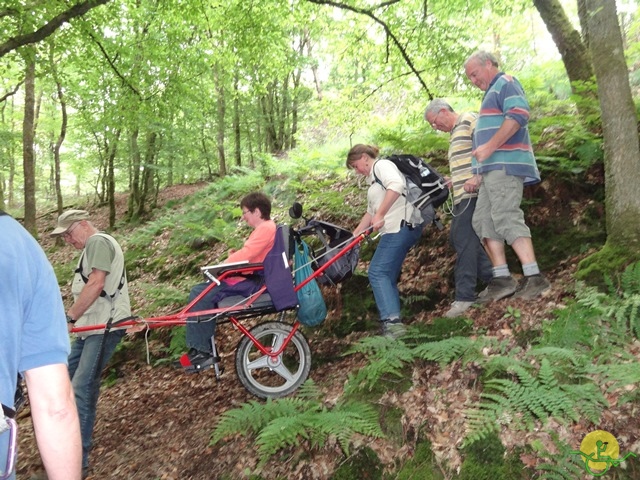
{"x": 272, "y": 358}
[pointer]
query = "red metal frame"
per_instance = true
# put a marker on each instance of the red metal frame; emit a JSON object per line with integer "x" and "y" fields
{"x": 180, "y": 318}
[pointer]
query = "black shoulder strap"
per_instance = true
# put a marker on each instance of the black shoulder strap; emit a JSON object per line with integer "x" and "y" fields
{"x": 375, "y": 177}
{"x": 103, "y": 293}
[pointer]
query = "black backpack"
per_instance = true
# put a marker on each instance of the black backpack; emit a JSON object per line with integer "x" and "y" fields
{"x": 426, "y": 188}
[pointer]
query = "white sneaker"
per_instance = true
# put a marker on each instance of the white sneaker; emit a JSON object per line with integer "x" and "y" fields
{"x": 457, "y": 308}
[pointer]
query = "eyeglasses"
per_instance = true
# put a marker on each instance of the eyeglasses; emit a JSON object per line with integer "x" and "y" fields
{"x": 435, "y": 120}
{"x": 67, "y": 234}
{"x": 244, "y": 212}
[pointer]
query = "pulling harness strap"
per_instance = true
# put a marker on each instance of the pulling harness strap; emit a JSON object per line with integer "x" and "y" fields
{"x": 102, "y": 293}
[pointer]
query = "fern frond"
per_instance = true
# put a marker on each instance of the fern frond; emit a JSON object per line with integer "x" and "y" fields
{"x": 481, "y": 422}
{"x": 619, "y": 375}
{"x": 559, "y": 354}
{"x": 498, "y": 364}
{"x": 591, "y": 297}
{"x": 309, "y": 391}
{"x": 341, "y": 423}
{"x": 563, "y": 465}
{"x": 282, "y": 432}
{"x": 377, "y": 346}
{"x": 622, "y": 306}
{"x": 526, "y": 397}
{"x": 347, "y": 420}
{"x": 630, "y": 280}
{"x": 450, "y": 349}
{"x": 253, "y": 416}
{"x": 386, "y": 357}
{"x": 245, "y": 419}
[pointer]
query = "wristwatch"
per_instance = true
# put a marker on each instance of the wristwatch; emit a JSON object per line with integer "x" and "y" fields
{"x": 70, "y": 320}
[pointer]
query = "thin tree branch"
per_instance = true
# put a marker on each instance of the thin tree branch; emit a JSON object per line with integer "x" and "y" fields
{"x": 50, "y": 27}
{"x": 114, "y": 68}
{"x": 389, "y": 33}
{"x": 12, "y": 92}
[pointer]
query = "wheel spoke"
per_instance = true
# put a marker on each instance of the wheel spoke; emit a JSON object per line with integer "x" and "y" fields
{"x": 284, "y": 372}
{"x": 260, "y": 362}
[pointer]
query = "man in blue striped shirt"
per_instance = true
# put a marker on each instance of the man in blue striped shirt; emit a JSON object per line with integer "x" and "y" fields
{"x": 503, "y": 163}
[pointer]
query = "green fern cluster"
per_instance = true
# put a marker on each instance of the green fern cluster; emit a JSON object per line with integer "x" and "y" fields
{"x": 446, "y": 351}
{"x": 617, "y": 376}
{"x": 386, "y": 357}
{"x": 390, "y": 358}
{"x": 285, "y": 422}
{"x": 524, "y": 397}
{"x": 558, "y": 466}
{"x": 622, "y": 305}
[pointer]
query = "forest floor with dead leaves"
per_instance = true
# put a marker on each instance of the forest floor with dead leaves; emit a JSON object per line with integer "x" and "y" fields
{"x": 155, "y": 422}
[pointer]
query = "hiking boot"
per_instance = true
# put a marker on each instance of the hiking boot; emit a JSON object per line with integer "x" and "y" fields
{"x": 393, "y": 328}
{"x": 498, "y": 288}
{"x": 532, "y": 287}
{"x": 457, "y": 308}
{"x": 195, "y": 361}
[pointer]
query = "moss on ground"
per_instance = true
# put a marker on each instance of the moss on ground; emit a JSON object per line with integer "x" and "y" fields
{"x": 609, "y": 261}
{"x": 486, "y": 459}
{"x": 363, "y": 464}
{"x": 421, "y": 466}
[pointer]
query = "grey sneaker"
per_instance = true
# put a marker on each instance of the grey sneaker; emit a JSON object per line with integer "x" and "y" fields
{"x": 393, "y": 328}
{"x": 499, "y": 287}
{"x": 457, "y": 308}
{"x": 532, "y": 287}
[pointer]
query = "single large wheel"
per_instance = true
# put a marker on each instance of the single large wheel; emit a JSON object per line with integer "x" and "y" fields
{"x": 272, "y": 377}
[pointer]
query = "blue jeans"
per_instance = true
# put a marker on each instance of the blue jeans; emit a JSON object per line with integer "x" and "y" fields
{"x": 472, "y": 261}
{"x": 385, "y": 268}
{"x": 85, "y": 368}
{"x": 199, "y": 333}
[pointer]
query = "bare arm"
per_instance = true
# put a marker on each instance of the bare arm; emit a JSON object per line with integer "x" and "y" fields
{"x": 89, "y": 294}
{"x": 504, "y": 133}
{"x": 364, "y": 224}
{"x": 55, "y": 421}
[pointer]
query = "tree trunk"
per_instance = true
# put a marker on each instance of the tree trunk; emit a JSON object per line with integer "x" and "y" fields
{"x": 28, "y": 133}
{"x": 574, "y": 52}
{"x": 61, "y": 137}
{"x": 221, "y": 111}
{"x": 12, "y": 158}
{"x": 619, "y": 123}
{"x": 134, "y": 195}
{"x": 112, "y": 149}
{"x": 149, "y": 168}
{"x": 236, "y": 120}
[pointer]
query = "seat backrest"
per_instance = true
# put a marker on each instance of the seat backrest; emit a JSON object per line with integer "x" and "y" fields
{"x": 277, "y": 272}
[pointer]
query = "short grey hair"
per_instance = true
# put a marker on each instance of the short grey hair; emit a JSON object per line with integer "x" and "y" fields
{"x": 482, "y": 56}
{"x": 435, "y": 106}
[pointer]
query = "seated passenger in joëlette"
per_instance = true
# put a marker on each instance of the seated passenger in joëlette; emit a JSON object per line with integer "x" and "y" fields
{"x": 256, "y": 211}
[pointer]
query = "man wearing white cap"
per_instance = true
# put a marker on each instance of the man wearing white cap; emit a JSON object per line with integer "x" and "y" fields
{"x": 100, "y": 297}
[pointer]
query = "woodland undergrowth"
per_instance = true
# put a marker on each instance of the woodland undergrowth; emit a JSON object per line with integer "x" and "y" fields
{"x": 564, "y": 376}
